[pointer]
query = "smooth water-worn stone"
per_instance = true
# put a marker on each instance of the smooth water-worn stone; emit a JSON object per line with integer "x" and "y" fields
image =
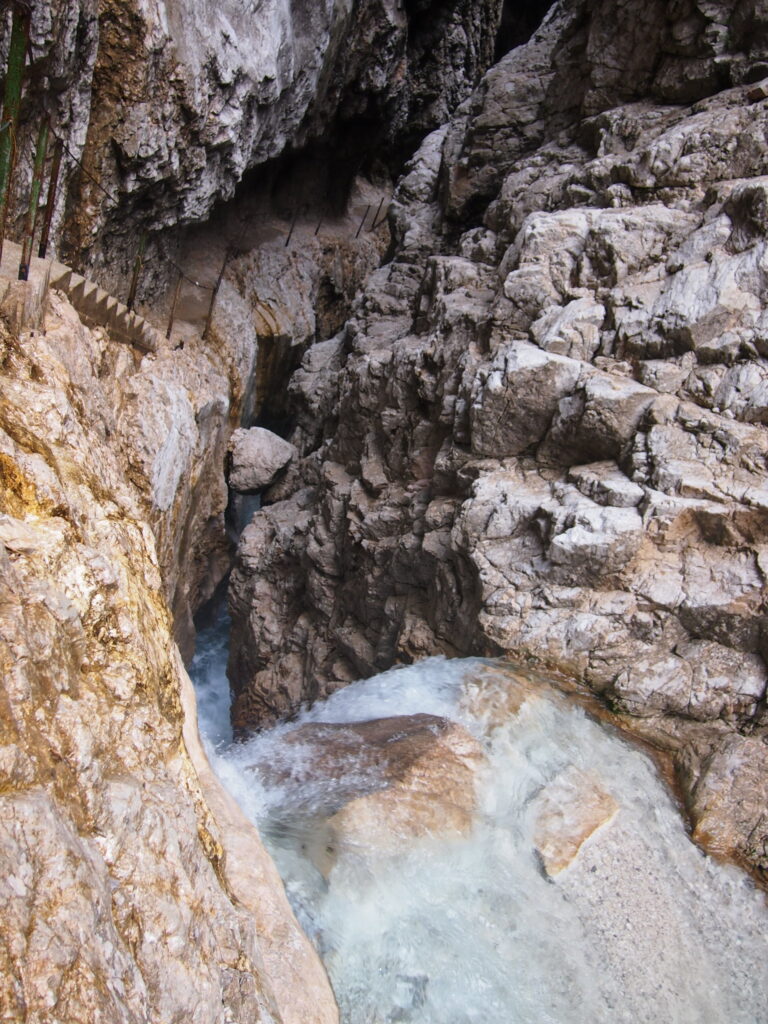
{"x": 568, "y": 811}
{"x": 635, "y": 918}
{"x": 372, "y": 788}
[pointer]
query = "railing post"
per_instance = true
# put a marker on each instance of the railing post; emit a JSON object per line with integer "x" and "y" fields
{"x": 293, "y": 225}
{"x": 375, "y": 220}
{"x": 17, "y": 55}
{"x": 34, "y": 201}
{"x": 138, "y": 264}
{"x": 363, "y": 220}
{"x": 174, "y": 301}
{"x": 50, "y": 204}
{"x": 215, "y": 292}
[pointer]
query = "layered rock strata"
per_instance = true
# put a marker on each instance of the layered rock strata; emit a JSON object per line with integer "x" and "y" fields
{"x": 542, "y": 431}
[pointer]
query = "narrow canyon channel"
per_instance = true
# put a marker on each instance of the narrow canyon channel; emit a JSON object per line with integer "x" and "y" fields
{"x": 574, "y": 893}
{"x": 435, "y": 334}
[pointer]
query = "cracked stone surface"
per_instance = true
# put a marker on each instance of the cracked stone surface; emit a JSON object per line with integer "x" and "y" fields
{"x": 132, "y": 888}
{"x": 541, "y": 433}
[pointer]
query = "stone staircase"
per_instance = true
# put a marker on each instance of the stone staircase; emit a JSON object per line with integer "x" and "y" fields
{"x": 23, "y": 302}
{"x": 100, "y": 309}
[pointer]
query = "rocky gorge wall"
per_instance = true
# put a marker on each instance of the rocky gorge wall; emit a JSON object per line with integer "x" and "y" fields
{"x": 542, "y": 432}
{"x": 168, "y": 104}
{"x": 134, "y": 889}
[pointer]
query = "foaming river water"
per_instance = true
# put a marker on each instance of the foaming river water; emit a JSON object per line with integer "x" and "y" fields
{"x": 639, "y": 926}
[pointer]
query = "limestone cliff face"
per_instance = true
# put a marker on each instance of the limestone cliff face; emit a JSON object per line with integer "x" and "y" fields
{"x": 132, "y": 890}
{"x": 168, "y": 103}
{"x": 542, "y": 433}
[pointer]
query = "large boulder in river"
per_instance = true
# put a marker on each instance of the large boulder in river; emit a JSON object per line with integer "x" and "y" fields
{"x": 371, "y": 788}
{"x": 256, "y": 456}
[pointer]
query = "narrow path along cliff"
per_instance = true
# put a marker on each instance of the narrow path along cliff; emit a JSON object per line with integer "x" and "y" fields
{"x": 488, "y": 345}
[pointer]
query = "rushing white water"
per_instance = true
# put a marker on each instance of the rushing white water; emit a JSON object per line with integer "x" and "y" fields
{"x": 640, "y": 927}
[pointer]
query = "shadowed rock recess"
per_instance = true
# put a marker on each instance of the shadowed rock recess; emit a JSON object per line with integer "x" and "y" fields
{"x": 542, "y": 431}
{"x": 169, "y": 103}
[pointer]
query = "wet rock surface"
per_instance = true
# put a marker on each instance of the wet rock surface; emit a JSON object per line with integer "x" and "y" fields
{"x": 369, "y": 789}
{"x": 567, "y": 813}
{"x": 576, "y": 893}
{"x": 541, "y": 432}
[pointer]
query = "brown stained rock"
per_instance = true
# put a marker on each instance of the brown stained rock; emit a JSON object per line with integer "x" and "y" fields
{"x": 729, "y": 803}
{"x": 566, "y": 813}
{"x": 122, "y": 866}
{"x": 169, "y": 419}
{"x": 495, "y": 694}
{"x": 385, "y": 783}
{"x": 437, "y": 801}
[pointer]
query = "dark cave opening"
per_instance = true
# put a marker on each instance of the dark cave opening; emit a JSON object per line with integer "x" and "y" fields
{"x": 519, "y": 21}
{"x": 317, "y": 179}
